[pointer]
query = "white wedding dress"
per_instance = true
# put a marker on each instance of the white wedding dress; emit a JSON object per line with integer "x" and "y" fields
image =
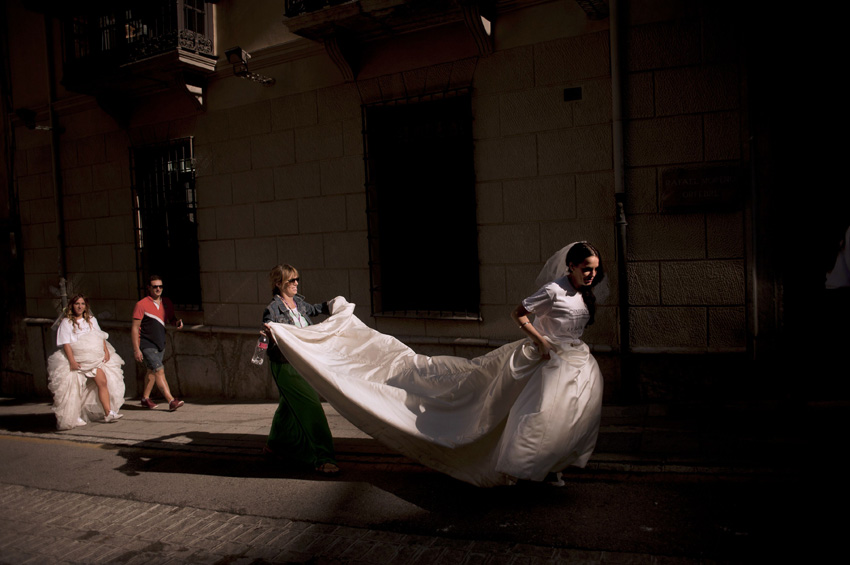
{"x": 74, "y": 392}
{"x": 488, "y": 421}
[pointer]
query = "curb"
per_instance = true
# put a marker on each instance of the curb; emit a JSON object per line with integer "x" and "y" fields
{"x": 603, "y": 463}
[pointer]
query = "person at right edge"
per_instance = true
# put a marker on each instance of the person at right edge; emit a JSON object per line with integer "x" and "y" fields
{"x": 836, "y": 321}
{"x": 300, "y": 431}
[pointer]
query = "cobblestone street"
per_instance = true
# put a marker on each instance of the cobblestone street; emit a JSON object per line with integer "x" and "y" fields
{"x": 191, "y": 487}
{"x": 41, "y": 526}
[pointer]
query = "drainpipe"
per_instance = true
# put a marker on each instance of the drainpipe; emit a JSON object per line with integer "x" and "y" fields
{"x": 54, "y": 154}
{"x": 630, "y": 388}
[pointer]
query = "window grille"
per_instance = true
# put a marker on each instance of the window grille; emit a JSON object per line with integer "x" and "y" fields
{"x": 420, "y": 186}
{"x": 166, "y": 220}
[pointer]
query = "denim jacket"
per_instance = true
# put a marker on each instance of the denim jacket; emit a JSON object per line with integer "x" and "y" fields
{"x": 277, "y": 311}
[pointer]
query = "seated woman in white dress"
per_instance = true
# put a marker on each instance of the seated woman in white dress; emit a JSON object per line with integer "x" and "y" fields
{"x": 86, "y": 369}
{"x": 527, "y": 410}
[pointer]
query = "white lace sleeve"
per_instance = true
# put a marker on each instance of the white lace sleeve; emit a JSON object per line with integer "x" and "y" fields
{"x": 64, "y": 333}
{"x": 539, "y": 303}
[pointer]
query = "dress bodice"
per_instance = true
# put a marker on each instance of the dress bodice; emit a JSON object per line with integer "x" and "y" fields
{"x": 69, "y": 332}
{"x": 559, "y": 309}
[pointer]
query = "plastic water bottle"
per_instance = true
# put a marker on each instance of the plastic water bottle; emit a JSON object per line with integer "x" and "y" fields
{"x": 260, "y": 350}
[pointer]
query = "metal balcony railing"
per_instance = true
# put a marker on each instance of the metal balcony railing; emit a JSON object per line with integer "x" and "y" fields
{"x": 132, "y": 31}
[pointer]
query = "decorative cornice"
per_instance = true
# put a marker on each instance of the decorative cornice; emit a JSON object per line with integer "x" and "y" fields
{"x": 472, "y": 16}
{"x": 342, "y": 59}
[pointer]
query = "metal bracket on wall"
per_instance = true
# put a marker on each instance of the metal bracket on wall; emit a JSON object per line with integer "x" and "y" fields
{"x": 342, "y": 53}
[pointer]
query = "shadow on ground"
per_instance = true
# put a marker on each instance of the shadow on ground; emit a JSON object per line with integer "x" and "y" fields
{"x": 720, "y": 517}
{"x": 30, "y": 423}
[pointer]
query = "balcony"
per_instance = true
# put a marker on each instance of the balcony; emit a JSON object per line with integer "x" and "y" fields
{"x": 134, "y": 48}
{"x": 297, "y": 7}
{"x": 345, "y": 26}
{"x": 367, "y": 20}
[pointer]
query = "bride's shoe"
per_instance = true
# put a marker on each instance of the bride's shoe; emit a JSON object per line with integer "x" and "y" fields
{"x": 555, "y": 480}
{"x": 80, "y": 422}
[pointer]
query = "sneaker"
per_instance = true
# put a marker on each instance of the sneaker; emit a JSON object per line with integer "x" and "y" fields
{"x": 555, "y": 479}
{"x": 175, "y": 404}
{"x": 81, "y": 422}
{"x": 148, "y": 403}
{"x": 112, "y": 417}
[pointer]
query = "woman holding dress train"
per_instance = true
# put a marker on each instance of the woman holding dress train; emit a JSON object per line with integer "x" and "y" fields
{"x": 299, "y": 431}
{"x": 524, "y": 411}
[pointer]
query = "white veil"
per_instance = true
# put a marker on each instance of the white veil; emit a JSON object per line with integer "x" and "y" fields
{"x": 556, "y": 267}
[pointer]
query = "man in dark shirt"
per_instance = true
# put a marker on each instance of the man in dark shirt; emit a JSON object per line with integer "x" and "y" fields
{"x": 150, "y": 316}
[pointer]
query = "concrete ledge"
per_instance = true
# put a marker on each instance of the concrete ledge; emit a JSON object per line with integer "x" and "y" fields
{"x": 198, "y": 328}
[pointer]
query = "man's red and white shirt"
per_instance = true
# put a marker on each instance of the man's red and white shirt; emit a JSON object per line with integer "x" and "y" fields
{"x": 154, "y": 317}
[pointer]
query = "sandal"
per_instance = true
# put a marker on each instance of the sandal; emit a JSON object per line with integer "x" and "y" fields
{"x": 327, "y": 469}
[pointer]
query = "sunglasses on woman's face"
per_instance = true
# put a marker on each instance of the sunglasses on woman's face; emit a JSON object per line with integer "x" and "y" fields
{"x": 295, "y": 280}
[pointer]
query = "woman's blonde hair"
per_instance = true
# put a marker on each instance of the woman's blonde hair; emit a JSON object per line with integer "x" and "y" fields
{"x": 69, "y": 310}
{"x": 279, "y": 274}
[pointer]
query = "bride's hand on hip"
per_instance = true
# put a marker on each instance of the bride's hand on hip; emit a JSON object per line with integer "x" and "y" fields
{"x": 543, "y": 347}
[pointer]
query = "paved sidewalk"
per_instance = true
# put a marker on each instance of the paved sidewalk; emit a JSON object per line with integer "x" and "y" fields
{"x": 631, "y": 438}
{"x": 214, "y": 426}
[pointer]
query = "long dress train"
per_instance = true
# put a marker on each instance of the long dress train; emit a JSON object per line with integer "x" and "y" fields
{"x": 505, "y": 415}
{"x": 75, "y": 392}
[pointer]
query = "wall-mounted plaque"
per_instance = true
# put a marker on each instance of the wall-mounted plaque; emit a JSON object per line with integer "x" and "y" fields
{"x": 701, "y": 189}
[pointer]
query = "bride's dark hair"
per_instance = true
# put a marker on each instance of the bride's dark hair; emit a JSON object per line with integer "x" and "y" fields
{"x": 578, "y": 253}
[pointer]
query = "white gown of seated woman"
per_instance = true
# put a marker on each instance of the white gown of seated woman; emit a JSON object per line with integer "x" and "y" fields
{"x": 490, "y": 420}
{"x": 74, "y": 392}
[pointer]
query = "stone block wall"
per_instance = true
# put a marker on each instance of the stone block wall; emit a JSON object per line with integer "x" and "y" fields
{"x": 97, "y": 207}
{"x": 280, "y": 179}
{"x": 544, "y": 170}
{"x": 687, "y": 271}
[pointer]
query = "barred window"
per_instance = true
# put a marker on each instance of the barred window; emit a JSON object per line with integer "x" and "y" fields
{"x": 166, "y": 220}
{"x": 423, "y": 236}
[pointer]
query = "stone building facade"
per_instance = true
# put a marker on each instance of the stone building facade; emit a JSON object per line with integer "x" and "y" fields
{"x": 281, "y": 173}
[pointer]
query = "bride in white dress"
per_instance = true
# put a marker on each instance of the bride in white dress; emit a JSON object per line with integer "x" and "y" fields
{"x": 525, "y": 411}
{"x": 85, "y": 374}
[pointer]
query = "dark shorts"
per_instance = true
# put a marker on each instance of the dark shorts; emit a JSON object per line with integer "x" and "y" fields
{"x": 153, "y": 358}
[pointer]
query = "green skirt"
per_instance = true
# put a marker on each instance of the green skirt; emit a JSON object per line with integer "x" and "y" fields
{"x": 300, "y": 431}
